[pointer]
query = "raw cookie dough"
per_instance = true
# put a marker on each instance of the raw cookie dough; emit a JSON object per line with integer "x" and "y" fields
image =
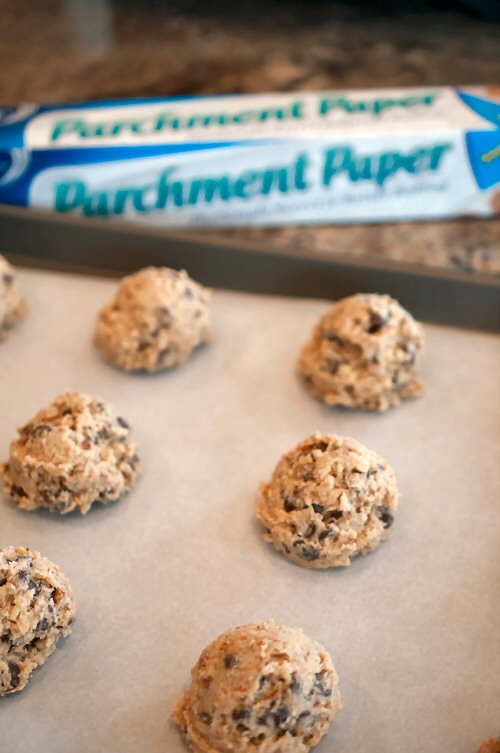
{"x": 36, "y": 608}
{"x": 329, "y": 499}
{"x": 71, "y": 454}
{"x": 491, "y": 745}
{"x": 156, "y": 319}
{"x": 364, "y": 353}
{"x": 12, "y": 305}
{"x": 263, "y": 688}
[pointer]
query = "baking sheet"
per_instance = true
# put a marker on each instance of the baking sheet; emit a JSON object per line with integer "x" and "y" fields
{"x": 413, "y": 628}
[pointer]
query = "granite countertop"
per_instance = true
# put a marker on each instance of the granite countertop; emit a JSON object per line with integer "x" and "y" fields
{"x": 67, "y": 50}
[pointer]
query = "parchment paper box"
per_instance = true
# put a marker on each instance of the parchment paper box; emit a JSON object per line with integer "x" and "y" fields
{"x": 273, "y": 159}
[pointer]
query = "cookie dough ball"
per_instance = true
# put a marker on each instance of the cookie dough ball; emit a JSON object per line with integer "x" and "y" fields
{"x": 364, "y": 353}
{"x": 329, "y": 499}
{"x": 266, "y": 688}
{"x": 156, "y": 319}
{"x": 71, "y": 454}
{"x": 12, "y": 305}
{"x": 36, "y": 608}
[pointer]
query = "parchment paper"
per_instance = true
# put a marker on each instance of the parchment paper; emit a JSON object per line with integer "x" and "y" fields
{"x": 413, "y": 628}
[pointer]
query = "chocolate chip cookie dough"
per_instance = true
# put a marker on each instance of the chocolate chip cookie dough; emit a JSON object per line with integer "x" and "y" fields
{"x": 155, "y": 321}
{"x": 329, "y": 499}
{"x": 71, "y": 454}
{"x": 364, "y": 353}
{"x": 264, "y": 687}
{"x": 36, "y": 609}
{"x": 12, "y": 306}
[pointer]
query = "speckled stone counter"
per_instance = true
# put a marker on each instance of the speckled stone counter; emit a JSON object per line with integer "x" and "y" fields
{"x": 55, "y": 50}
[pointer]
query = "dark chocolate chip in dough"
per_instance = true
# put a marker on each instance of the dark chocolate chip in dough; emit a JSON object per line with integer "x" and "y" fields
{"x": 14, "y": 674}
{"x": 42, "y": 625}
{"x": 281, "y": 715}
{"x": 319, "y": 684}
{"x": 18, "y": 491}
{"x": 310, "y": 530}
{"x": 306, "y": 552}
{"x": 385, "y": 516}
{"x": 242, "y": 713}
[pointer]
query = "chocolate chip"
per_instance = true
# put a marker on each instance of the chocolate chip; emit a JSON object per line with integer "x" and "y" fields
{"x": 303, "y": 714}
{"x": 289, "y": 503}
{"x": 8, "y": 279}
{"x": 40, "y": 429}
{"x": 376, "y": 323}
{"x": 395, "y": 378}
{"x": 385, "y": 516}
{"x": 42, "y": 625}
{"x": 318, "y": 508}
{"x": 3, "y": 581}
{"x": 257, "y": 740}
{"x": 18, "y": 491}
{"x": 164, "y": 352}
{"x": 327, "y": 533}
{"x": 124, "y": 424}
{"x": 319, "y": 684}
{"x": 295, "y": 684}
{"x": 7, "y": 637}
{"x": 239, "y": 714}
{"x": 242, "y": 728}
{"x": 188, "y": 293}
{"x": 320, "y": 445}
{"x": 142, "y": 346}
{"x": 307, "y": 551}
{"x": 206, "y": 718}
{"x": 332, "y": 337}
{"x": 332, "y": 365}
{"x": 281, "y": 715}
{"x": 68, "y": 411}
{"x": 310, "y": 530}
{"x": 14, "y": 674}
{"x": 229, "y": 661}
{"x": 332, "y": 515}
{"x": 33, "y": 585}
{"x": 23, "y": 576}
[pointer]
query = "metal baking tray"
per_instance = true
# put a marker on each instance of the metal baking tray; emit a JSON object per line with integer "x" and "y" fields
{"x": 412, "y": 628}
{"x": 47, "y": 240}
